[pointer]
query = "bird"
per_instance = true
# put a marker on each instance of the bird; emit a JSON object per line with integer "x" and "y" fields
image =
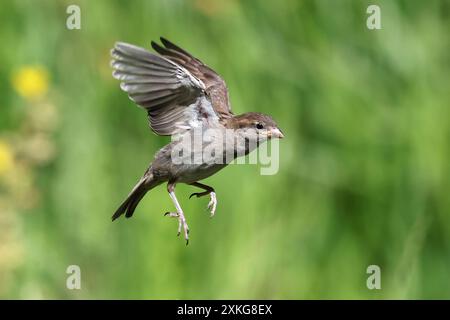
{"x": 182, "y": 95}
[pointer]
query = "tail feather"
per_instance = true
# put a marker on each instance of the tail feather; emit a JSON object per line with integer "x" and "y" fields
{"x": 133, "y": 199}
{"x": 133, "y": 204}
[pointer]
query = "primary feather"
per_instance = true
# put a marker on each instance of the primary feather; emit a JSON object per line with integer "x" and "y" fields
{"x": 174, "y": 98}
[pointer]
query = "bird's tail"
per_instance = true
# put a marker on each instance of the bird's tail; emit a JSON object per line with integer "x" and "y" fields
{"x": 140, "y": 189}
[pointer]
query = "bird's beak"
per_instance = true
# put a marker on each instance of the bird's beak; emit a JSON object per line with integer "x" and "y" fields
{"x": 276, "y": 133}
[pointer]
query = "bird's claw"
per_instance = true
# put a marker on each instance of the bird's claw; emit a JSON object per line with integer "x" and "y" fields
{"x": 212, "y": 203}
{"x": 197, "y": 194}
{"x": 181, "y": 224}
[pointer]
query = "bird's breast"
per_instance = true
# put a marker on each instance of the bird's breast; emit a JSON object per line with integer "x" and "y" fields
{"x": 188, "y": 173}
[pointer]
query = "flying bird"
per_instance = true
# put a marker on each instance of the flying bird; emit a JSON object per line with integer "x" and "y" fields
{"x": 181, "y": 95}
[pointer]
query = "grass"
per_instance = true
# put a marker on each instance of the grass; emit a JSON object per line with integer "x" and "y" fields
{"x": 363, "y": 173}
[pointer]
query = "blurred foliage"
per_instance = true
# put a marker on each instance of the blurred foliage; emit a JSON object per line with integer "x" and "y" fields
{"x": 364, "y": 168}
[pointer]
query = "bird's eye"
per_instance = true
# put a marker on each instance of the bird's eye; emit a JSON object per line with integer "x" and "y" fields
{"x": 259, "y": 126}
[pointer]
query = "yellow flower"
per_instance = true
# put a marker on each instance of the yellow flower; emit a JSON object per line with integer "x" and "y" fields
{"x": 6, "y": 158}
{"x": 31, "y": 81}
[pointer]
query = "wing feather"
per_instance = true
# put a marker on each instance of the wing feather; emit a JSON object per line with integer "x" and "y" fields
{"x": 171, "y": 94}
{"x": 215, "y": 86}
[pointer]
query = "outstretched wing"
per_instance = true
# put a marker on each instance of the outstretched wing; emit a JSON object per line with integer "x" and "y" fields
{"x": 215, "y": 87}
{"x": 174, "y": 98}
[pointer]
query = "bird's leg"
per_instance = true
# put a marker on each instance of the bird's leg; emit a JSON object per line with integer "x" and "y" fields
{"x": 208, "y": 190}
{"x": 179, "y": 214}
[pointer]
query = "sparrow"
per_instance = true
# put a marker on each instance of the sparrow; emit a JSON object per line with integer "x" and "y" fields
{"x": 181, "y": 94}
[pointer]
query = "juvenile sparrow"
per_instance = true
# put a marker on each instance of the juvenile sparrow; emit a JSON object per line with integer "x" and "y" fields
{"x": 183, "y": 96}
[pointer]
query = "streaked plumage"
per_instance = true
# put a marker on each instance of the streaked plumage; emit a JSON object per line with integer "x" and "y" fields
{"x": 179, "y": 93}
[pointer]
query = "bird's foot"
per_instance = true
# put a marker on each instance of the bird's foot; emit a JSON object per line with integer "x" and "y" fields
{"x": 212, "y": 203}
{"x": 198, "y": 194}
{"x": 181, "y": 224}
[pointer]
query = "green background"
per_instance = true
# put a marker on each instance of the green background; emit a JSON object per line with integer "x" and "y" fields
{"x": 364, "y": 166}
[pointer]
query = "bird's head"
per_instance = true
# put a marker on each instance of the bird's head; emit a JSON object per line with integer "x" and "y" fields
{"x": 255, "y": 125}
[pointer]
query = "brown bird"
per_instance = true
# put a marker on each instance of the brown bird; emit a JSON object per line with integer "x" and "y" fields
{"x": 183, "y": 96}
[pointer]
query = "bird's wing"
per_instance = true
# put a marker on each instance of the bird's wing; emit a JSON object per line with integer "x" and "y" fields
{"x": 174, "y": 98}
{"x": 215, "y": 86}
